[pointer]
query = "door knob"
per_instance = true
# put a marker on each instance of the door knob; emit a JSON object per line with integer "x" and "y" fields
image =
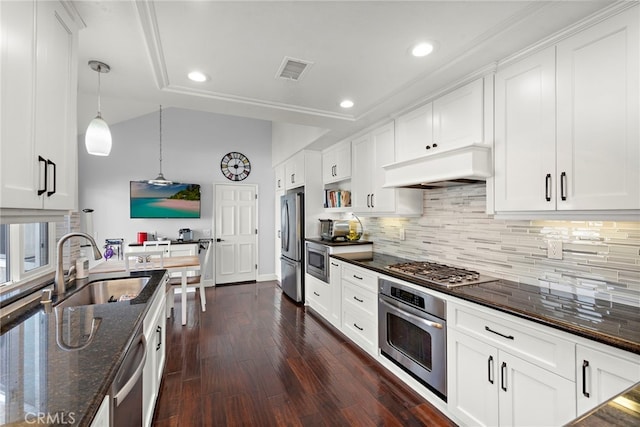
{"x": 219, "y": 240}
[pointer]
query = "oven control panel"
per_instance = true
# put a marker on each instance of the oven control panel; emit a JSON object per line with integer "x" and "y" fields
{"x": 408, "y": 297}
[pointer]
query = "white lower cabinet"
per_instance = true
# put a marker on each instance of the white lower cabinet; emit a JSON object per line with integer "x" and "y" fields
{"x": 335, "y": 277}
{"x": 155, "y": 334}
{"x": 602, "y": 373}
{"x": 490, "y": 386}
{"x": 360, "y": 307}
{"x": 317, "y": 295}
{"x": 101, "y": 419}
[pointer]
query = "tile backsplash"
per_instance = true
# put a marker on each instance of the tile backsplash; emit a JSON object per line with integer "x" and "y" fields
{"x": 599, "y": 258}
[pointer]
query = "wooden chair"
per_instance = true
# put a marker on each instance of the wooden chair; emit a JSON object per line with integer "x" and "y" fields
{"x": 143, "y": 260}
{"x": 192, "y": 282}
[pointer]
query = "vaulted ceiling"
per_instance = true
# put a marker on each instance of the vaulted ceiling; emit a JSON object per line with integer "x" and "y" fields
{"x": 359, "y": 50}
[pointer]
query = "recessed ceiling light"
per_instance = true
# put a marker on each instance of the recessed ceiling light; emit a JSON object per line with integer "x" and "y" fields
{"x": 197, "y": 76}
{"x": 347, "y": 103}
{"x": 422, "y": 49}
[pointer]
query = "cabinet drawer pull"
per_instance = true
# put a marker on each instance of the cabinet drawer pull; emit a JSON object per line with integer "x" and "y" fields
{"x": 585, "y": 365}
{"x": 335, "y": 265}
{"x": 503, "y": 380}
{"x": 490, "y": 369}
{"x": 159, "y": 332}
{"x": 316, "y": 294}
{"x": 42, "y": 160}
{"x": 563, "y": 186}
{"x": 368, "y": 200}
{"x": 357, "y": 277}
{"x": 547, "y": 187}
{"x": 358, "y": 327}
{"x": 357, "y": 299}
{"x": 372, "y": 204}
{"x": 55, "y": 178}
{"x": 509, "y": 337}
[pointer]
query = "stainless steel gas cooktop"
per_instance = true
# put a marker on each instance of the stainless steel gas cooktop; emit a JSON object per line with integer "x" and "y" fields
{"x": 440, "y": 274}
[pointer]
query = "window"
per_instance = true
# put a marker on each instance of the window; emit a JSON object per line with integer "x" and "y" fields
{"x": 36, "y": 246}
{"x": 4, "y": 254}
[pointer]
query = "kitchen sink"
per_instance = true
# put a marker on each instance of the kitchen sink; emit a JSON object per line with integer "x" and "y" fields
{"x": 105, "y": 291}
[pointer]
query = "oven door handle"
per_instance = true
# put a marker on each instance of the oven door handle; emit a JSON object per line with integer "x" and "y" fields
{"x": 397, "y": 306}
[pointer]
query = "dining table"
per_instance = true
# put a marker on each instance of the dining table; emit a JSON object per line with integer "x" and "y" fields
{"x": 173, "y": 264}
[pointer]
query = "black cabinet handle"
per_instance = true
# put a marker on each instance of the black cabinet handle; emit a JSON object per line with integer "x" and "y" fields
{"x": 490, "y": 369}
{"x": 368, "y": 200}
{"x": 316, "y": 294}
{"x": 292, "y": 175}
{"x": 358, "y": 327}
{"x": 357, "y": 277}
{"x": 335, "y": 265}
{"x": 219, "y": 240}
{"x": 428, "y": 147}
{"x": 585, "y": 365}
{"x": 503, "y": 380}
{"x": 509, "y": 337}
{"x": 563, "y": 186}
{"x": 159, "y": 332}
{"x": 42, "y": 160}
{"x": 372, "y": 205}
{"x": 55, "y": 178}
{"x": 547, "y": 187}
{"x": 357, "y": 299}
{"x": 279, "y": 184}
{"x": 435, "y": 145}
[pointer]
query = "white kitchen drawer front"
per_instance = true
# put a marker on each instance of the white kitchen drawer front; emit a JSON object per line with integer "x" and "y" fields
{"x": 318, "y": 295}
{"x": 364, "y": 299}
{"x": 361, "y": 329}
{"x": 360, "y": 276}
{"x": 541, "y": 346}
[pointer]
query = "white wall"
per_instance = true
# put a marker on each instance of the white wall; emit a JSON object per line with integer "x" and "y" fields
{"x": 193, "y": 143}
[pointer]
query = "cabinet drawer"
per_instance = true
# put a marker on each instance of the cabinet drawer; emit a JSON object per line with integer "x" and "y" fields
{"x": 536, "y": 343}
{"x": 362, "y": 330}
{"x": 360, "y": 276}
{"x": 364, "y": 299}
{"x": 318, "y": 295}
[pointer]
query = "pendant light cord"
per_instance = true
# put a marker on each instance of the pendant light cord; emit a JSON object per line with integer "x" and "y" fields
{"x": 99, "y": 106}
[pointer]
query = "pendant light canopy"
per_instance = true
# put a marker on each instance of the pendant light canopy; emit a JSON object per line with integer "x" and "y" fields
{"x": 160, "y": 179}
{"x": 97, "y": 139}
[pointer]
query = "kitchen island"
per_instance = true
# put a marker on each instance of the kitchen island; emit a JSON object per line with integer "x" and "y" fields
{"x": 44, "y": 380}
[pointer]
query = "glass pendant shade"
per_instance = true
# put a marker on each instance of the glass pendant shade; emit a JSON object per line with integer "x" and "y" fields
{"x": 97, "y": 140}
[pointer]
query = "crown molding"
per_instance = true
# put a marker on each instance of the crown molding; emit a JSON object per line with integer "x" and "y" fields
{"x": 149, "y": 24}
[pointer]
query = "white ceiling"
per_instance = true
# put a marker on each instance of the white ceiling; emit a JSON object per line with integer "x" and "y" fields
{"x": 359, "y": 50}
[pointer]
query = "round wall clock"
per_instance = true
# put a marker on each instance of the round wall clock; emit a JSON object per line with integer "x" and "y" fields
{"x": 235, "y": 166}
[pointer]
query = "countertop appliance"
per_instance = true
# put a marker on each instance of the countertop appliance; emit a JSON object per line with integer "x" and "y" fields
{"x": 126, "y": 389}
{"x": 333, "y": 230}
{"x": 292, "y": 258}
{"x": 317, "y": 260}
{"x": 412, "y": 333}
{"x": 185, "y": 235}
{"x": 440, "y": 274}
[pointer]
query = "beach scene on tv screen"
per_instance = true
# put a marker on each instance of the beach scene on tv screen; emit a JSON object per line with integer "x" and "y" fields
{"x": 175, "y": 200}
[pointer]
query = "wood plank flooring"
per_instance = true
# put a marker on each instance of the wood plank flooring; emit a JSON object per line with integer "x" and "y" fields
{"x": 256, "y": 359}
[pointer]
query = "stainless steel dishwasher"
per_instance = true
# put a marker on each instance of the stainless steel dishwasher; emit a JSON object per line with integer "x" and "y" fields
{"x": 126, "y": 389}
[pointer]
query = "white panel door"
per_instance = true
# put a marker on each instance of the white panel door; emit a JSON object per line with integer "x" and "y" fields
{"x": 415, "y": 133}
{"x": 598, "y": 137}
{"x": 383, "y": 140}
{"x": 236, "y": 233}
{"x": 458, "y": 118}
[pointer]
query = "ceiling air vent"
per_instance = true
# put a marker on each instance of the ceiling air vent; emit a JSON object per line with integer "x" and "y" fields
{"x": 293, "y": 69}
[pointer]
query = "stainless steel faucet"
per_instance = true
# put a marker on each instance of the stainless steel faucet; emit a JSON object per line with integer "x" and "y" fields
{"x": 60, "y": 285}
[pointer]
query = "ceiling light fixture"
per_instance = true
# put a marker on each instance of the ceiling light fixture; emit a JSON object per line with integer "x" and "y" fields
{"x": 197, "y": 76}
{"x": 347, "y": 103}
{"x": 422, "y": 49}
{"x": 160, "y": 179}
{"x": 97, "y": 139}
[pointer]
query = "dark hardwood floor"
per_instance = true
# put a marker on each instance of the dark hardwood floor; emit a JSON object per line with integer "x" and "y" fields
{"x": 255, "y": 358}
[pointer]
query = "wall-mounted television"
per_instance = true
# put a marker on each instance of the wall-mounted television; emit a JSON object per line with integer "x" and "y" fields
{"x": 176, "y": 200}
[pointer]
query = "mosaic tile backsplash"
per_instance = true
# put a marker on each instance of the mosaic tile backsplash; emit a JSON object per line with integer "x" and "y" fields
{"x": 600, "y": 259}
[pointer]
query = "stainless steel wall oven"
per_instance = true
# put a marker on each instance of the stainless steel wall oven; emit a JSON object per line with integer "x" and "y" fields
{"x": 413, "y": 333}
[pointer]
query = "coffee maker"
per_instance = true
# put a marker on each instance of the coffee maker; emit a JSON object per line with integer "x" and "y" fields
{"x": 185, "y": 235}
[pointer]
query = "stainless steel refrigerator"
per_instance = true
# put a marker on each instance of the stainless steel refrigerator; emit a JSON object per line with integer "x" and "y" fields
{"x": 292, "y": 259}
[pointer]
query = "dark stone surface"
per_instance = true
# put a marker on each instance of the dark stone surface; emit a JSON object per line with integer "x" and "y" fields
{"x": 70, "y": 384}
{"x": 338, "y": 243}
{"x": 622, "y": 410}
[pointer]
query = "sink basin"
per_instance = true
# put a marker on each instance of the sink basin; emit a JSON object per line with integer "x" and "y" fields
{"x": 106, "y": 291}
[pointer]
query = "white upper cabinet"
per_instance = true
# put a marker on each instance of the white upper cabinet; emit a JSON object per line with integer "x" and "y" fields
{"x": 452, "y": 121}
{"x": 336, "y": 163}
{"x": 294, "y": 170}
{"x": 566, "y": 134}
{"x": 279, "y": 172}
{"x": 38, "y": 146}
{"x": 370, "y": 153}
{"x": 598, "y": 163}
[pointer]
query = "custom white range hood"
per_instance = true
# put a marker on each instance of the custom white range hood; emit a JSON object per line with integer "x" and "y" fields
{"x": 442, "y": 168}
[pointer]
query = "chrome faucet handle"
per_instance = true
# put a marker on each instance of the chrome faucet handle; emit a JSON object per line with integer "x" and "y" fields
{"x": 46, "y": 300}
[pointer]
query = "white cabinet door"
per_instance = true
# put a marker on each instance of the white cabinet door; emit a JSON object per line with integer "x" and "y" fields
{"x": 525, "y": 142}
{"x": 532, "y": 396}
{"x": 458, "y": 118}
{"x": 414, "y": 133}
{"x": 318, "y": 295}
{"x": 336, "y": 163}
{"x": 155, "y": 334}
{"x": 603, "y": 374}
{"x": 362, "y": 171}
{"x": 280, "y": 179}
{"x": 335, "y": 276}
{"x": 295, "y": 171}
{"x": 598, "y": 137}
{"x": 383, "y": 142}
{"x": 473, "y": 379}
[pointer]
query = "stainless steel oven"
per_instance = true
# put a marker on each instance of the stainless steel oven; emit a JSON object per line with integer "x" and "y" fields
{"x": 413, "y": 333}
{"x": 317, "y": 261}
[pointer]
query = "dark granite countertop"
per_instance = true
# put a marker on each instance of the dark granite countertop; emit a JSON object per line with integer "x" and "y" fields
{"x": 622, "y": 410}
{"x": 39, "y": 377}
{"x": 337, "y": 243}
{"x": 617, "y": 325}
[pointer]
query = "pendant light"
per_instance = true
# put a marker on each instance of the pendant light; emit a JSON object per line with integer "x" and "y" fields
{"x": 97, "y": 139}
{"x": 160, "y": 179}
